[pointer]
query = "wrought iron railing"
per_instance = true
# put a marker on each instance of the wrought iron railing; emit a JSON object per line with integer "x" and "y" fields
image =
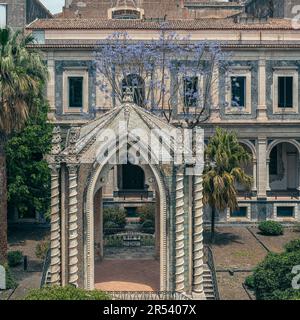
{"x": 145, "y": 295}
{"x": 143, "y": 194}
{"x": 209, "y": 260}
{"x": 46, "y": 267}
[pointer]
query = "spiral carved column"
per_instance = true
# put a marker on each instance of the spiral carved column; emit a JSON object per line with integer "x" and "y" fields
{"x": 180, "y": 231}
{"x": 73, "y": 226}
{"x": 198, "y": 236}
{"x": 55, "y": 227}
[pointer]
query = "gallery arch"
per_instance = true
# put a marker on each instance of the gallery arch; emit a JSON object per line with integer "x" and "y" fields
{"x": 283, "y": 167}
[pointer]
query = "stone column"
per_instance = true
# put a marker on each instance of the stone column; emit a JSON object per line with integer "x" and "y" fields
{"x": 262, "y": 173}
{"x": 254, "y": 175}
{"x": 51, "y": 82}
{"x": 298, "y": 188}
{"x": 55, "y": 266}
{"x": 268, "y": 174}
{"x": 262, "y": 105}
{"x": 73, "y": 225}
{"x": 198, "y": 237}
{"x": 179, "y": 274}
{"x": 215, "y": 112}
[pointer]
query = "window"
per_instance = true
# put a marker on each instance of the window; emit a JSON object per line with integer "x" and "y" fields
{"x": 126, "y": 14}
{"x": 238, "y": 91}
{"x": 190, "y": 91}
{"x": 285, "y": 212}
{"x": 242, "y": 212}
{"x": 285, "y": 92}
{"x": 273, "y": 167}
{"x": 3, "y": 16}
{"x": 136, "y": 87}
{"x": 75, "y": 92}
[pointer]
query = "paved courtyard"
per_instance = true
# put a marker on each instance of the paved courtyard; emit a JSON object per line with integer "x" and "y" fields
{"x": 237, "y": 250}
{"x": 127, "y": 275}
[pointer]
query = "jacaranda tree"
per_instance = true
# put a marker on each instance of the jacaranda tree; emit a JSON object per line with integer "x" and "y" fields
{"x": 161, "y": 73}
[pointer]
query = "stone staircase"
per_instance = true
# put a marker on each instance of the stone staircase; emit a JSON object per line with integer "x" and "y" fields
{"x": 208, "y": 284}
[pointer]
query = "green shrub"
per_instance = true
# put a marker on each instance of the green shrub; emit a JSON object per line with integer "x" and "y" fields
{"x": 249, "y": 282}
{"x": 147, "y": 212}
{"x": 10, "y": 281}
{"x": 271, "y": 228}
{"x": 115, "y": 215}
{"x": 274, "y": 274}
{"x": 65, "y": 293}
{"x": 292, "y": 246}
{"x": 14, "y": 258}
{"x": 41, "y": 249}
{"x": 297, "y": 227}
{"x": 111, "y": 228}
{"x": 287, "y": 295}
{"x": 148, "y": 226}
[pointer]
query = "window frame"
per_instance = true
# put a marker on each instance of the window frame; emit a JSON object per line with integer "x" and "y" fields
{"x": 237, "y": 219}
{"x": 285, "y": 72}
{"x": 293, "y": 218}
{"x": 80, "y": 73}
{"x": 239, "y": 72}
{"x": 181, "y": 92}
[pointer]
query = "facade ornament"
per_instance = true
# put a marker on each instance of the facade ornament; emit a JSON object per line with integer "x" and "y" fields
{"x": 55, "y": 265}
{"x": 73, "y": 224}
{"x": 179, "y": 274}
{"x": 198, "y": 236}
{"x": 56, "y": 141}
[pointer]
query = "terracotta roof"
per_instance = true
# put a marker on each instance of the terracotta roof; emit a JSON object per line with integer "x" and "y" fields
{"x": 207, "y": 24}
{"x": 92, "y": 44}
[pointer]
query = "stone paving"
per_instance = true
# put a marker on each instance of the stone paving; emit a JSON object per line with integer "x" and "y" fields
{"x": 127, "y": 275}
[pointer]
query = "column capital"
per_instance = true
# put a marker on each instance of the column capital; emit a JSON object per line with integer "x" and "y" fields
{"x": 73, "y": 168}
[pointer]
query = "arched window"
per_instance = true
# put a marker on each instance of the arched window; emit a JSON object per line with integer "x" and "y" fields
{"x": 136, "y": 87}
{"x": 126, "y": 14}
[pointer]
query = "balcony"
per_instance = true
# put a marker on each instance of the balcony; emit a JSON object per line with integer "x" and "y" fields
{"x": 129, "y": 194}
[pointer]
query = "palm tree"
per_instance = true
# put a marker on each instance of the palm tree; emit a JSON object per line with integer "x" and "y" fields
{"x": 22, "y": 77}
{"x": 225, "y": 158}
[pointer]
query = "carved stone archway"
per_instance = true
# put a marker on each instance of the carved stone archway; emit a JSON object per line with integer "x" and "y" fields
{"x": 80, "y": 168}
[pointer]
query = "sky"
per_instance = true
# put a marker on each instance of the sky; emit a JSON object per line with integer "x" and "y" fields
{"x": 53, "y": 5}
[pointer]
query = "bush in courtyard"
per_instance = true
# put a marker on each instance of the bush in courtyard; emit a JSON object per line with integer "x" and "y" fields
{"x": 41, "y": 249}
{"x": 14, "y": 258}
{"x": 111, "y": 228}
{"x": 273, "y": 276}
{"x": 65, "y": 293}
{"x": 115, "y": 215}
{"x": 271, "y": 228}
{"x": 147, "y": 212}
{"x": 249, "y": 282}
{"x": 287, "y": 295}
{"x": 148, "y": 226}
{"x": 297, "y": 227}
{"x": 10, "y": 280}
{"x": 292, "y": 246}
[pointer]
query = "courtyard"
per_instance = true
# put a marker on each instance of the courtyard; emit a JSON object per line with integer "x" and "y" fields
{"x": 237, "y": 250}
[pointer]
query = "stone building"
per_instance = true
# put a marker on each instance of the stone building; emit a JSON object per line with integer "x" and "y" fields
{"x": 264, "y": 44}
{"x": 18, "y": 13}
